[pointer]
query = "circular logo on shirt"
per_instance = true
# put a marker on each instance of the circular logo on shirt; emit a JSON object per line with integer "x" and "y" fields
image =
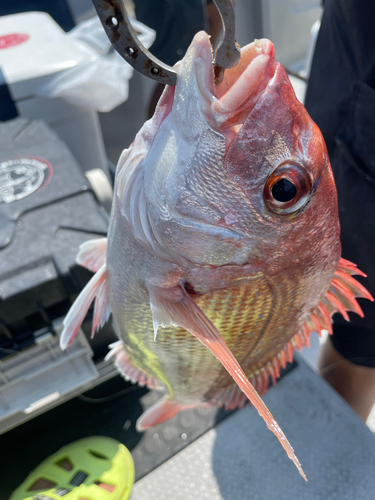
{"x": 12, "y": 40}
{"x": 21, "y": 177}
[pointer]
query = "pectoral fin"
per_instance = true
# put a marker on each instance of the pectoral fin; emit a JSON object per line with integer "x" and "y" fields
{"x": 175, "y": 307}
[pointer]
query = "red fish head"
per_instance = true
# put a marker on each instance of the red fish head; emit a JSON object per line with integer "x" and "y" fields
{"x": 239, "y": 173}
{"x": 278, "y": 157}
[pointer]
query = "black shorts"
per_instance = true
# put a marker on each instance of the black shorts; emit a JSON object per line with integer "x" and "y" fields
{"x": 341, "y": 100}
{"x": 175, "y": 22}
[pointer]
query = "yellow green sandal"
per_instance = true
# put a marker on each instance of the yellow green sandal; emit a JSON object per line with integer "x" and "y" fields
{"x": 95, "y": 468}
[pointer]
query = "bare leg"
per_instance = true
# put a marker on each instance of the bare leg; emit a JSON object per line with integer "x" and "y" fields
{"x": 356, "y": 384}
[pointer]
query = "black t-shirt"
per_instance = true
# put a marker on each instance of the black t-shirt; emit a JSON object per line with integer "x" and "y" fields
{"x": 341, "y": 100}
{"x": 344, "y": 55}
{"x": 175, "y": 22}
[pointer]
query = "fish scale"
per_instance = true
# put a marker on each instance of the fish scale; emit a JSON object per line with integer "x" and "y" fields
{"x": 214, "y": 184}
{"x": 236, "y": 313}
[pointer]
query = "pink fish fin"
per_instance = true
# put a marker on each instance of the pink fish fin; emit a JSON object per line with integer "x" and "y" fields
{"x": 174, "y": 306}
{"x": 232, "y": 397}
{"x": 128, "y": 370}
{"x": 92, "y": 254}
{"x": 162, "y": 410}
{"x": 102, "y": 310}
{"x": 340, "y": 297}
{"x": 344, "y": 290}
{"x": 95, "y": 289}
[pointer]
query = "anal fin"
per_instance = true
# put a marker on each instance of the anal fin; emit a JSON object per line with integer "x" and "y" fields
{"x": 174, "y": 306}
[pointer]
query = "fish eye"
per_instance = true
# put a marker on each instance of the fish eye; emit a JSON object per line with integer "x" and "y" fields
{"x": 287, "y": 189}
{"x": 283, "y": 190}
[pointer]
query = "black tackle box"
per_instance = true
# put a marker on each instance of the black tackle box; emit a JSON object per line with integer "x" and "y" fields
{"x": 47, "y": 210}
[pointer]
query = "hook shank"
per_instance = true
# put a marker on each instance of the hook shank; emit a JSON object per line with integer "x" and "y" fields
{"x": 116, "y": 24}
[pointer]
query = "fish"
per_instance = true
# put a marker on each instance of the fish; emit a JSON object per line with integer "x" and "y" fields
{"x": 223, "y": 248}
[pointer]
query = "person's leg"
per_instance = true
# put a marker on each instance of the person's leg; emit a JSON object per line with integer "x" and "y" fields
{"x": 355, "y": 383}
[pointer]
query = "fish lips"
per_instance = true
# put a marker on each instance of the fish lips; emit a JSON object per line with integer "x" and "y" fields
{"x": 228, "y": 104}
{"x": 243, "y": 85}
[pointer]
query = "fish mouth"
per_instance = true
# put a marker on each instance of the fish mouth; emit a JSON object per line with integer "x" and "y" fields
{"x": 231, "y": 102}
{"x": 243, "y": 85}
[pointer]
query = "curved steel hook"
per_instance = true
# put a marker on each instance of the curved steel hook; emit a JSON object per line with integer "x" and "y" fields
{"x": 228, "y": 52}
{"x": 123, "y": 37}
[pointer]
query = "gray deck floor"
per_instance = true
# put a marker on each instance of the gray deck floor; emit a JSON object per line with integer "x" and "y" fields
{"x": 240, "y": 459}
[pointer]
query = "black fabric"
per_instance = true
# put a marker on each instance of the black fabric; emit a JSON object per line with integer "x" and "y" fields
{"x": 345, "y": 54}
{"x": 355, "y": 344}
{"x": 354, "y": 170}
{"x": 341, "y": 100}
{"x": 175, "y": 22}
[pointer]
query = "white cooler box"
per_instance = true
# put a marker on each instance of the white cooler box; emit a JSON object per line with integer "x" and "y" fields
{"x": 33, "y": 50}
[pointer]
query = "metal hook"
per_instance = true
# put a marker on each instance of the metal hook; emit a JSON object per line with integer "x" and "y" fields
{"x": 228, "y": 52}
{"x": 116, "y": 24}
